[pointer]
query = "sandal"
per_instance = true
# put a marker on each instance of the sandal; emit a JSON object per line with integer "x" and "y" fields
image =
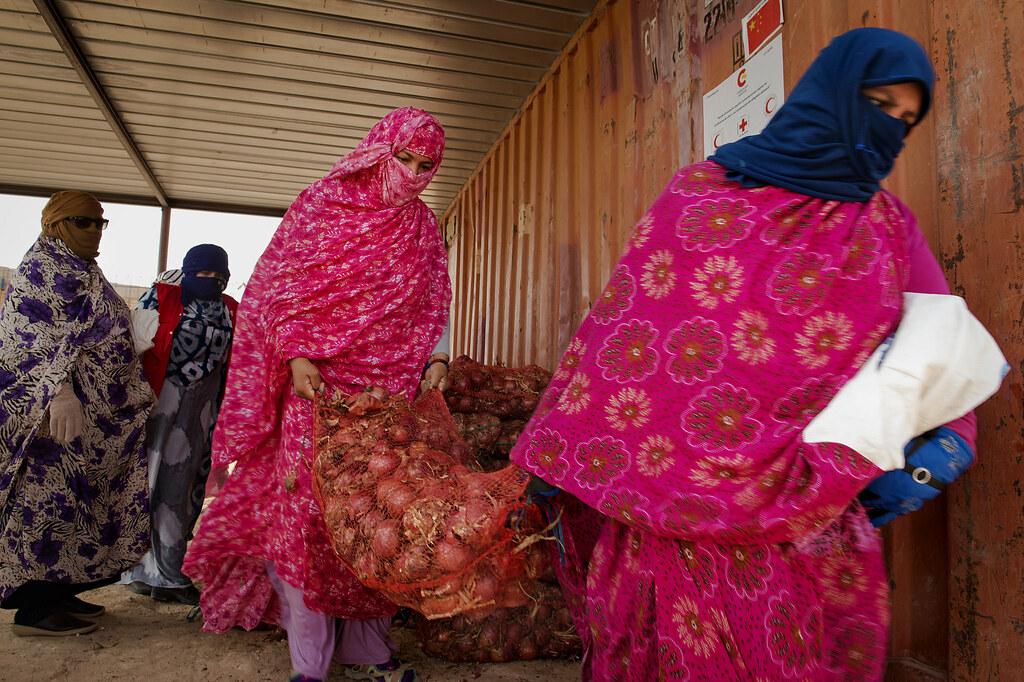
{"x": 392, "y": 671}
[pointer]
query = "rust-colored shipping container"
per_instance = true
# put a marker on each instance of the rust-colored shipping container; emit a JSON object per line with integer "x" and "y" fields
{"x": 538, "y": 227}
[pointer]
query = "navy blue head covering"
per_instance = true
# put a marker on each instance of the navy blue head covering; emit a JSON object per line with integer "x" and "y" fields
{"x": 828, "y": 140}
{"x": 200, "y": 258}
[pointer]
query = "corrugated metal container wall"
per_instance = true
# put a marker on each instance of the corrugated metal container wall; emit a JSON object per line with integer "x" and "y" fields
{"x": 536, "y": 230}
{"x": 539, "y": 226}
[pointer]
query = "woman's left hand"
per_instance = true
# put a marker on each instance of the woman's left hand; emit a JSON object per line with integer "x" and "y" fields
{"x": 436, "y": 376}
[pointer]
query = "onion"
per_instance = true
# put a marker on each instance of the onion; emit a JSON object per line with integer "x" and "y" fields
{"x": 513, "y": 632}
{"x": 435, "y": 437}
{"x": 348, "y": 536}
{"x": 385, "y": 540}
{"x": 418, "y": 448}
{"x": 382, "y": 463}
{"x": 344, "y": 437}
{"x": 359, "y": 503}
{"x": 367, "y": 566}
{"x": 413, "y": 564}
{"x": 465, "y": 644}
{"x": 541, "y": 633}
{"x": 460, "y": 382}
{"x": 394, "y": 497}
{"x": 460, "y": 451}
{"x": 488, "y": 635}
{"x": 564, "y": 617}
{"x": 450, "y": 556}
{"x": 398, "y": 434}
{"x": 464, "y": 404}
{"x": 486, "y": 588}
{"x": 470, "y": 522}
{"x": 538, "y": 563}
{"x": 527, "y": 650}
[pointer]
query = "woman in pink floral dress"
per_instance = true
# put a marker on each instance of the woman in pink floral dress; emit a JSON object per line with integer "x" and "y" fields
{"x": 353, "y": 290}
{"x": 705, "y": 540}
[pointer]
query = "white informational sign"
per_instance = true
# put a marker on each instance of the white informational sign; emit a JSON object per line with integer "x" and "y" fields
{"x": 744, "y": 103}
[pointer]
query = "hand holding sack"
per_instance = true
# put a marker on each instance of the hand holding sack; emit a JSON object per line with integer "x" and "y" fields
{"x": 67, "y": 419}
{"x": 933, "y": 461}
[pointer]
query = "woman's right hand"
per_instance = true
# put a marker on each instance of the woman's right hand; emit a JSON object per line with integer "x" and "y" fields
{"x": 305, "y": 377}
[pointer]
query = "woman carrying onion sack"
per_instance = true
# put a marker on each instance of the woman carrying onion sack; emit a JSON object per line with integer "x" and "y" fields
{"x": 74, "y": 503}
{"x": 706, "y": 537}
{"x": 352, "y": 292}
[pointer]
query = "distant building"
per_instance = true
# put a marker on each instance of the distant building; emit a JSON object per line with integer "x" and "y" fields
{"x": 129, "y": 292}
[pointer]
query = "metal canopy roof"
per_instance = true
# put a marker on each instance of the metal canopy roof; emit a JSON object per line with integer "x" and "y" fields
{"x": 237, "y": 105}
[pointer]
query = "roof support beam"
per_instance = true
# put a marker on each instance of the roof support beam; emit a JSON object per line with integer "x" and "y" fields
{"x": 59, "y": 29}
{"x": 165, "y": 233}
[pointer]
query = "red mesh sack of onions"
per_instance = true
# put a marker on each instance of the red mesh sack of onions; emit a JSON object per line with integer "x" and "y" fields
{"x": 508, "y": 393}
{"x": 480, "y": 430}
{"x": 411, "y": 514}
{"x": 508, "y": 434}
{"x": 543, "y": 628}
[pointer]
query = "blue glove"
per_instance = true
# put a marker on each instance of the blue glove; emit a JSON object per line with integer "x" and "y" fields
{"x": 934, "y": 459}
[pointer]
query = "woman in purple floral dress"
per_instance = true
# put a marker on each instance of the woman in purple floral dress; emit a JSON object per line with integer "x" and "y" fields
{"x": 74, "y": 488}
{"x": 705, "y": 539}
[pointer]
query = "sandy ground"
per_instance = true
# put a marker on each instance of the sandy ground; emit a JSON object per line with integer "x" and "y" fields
{"x": 142, "y": 639}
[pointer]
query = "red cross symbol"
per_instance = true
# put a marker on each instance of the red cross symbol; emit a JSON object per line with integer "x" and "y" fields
{"x": 743, "y": 125}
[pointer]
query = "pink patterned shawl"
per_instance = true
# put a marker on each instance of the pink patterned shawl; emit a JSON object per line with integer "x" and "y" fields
{"x": 725, "y": 547}
{"x": 356, "y": 280}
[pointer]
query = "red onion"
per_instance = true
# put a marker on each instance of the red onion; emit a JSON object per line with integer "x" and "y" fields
{"x": 385, "y": 540}
{"x": 527, "y": 650}
{"x": 382, "y": 463}
{"x": 450, "y": 556}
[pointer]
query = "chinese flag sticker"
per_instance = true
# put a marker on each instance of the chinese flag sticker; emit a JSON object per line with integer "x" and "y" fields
{"x": 761, "y": 24}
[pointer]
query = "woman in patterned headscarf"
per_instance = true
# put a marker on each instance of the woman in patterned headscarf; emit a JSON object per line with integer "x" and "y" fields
{"x": 74, "y": 507}
{"x": 706, "y": 539}
{"x": 353, "y": 290}
{"x": 186, "y": 367}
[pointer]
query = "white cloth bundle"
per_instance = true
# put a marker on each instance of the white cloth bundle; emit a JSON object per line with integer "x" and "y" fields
{"x": 939, "y": 365}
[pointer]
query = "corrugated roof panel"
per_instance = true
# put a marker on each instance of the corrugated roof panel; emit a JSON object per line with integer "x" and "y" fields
{"x": 241, "y": 104}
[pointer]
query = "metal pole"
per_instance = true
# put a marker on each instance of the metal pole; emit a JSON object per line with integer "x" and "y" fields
{"x": 165, "y": 233}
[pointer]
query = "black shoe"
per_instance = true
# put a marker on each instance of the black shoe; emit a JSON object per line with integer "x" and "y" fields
{"x": 82, "y": 609}
{"x": 57, "y": 624}
{"x": 183, "y": 595}
{"x": 139, "y": 587}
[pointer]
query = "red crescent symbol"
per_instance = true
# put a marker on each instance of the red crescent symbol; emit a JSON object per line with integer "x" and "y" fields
{"x": 766, "y": 105}
{"x": 715, "y": 141}
{"x": 741, "y": 78}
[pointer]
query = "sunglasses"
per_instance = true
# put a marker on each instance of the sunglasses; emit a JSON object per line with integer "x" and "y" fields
{"x": 84, "y": 223}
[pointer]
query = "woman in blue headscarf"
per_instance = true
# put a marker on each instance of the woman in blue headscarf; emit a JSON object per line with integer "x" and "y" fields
{"x": 704, "y": 537}
{"x": 186, "y": 366}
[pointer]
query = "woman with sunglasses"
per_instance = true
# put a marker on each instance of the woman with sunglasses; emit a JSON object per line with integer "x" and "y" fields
{"x": 74, "y": 508}
{"x": 189, "y": 327}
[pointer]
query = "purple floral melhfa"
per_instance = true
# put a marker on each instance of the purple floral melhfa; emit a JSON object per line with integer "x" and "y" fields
{"x": 26, "y": 365}
{"x": 66, "y": 287}
{"x": 36, "y": 311}
{"x": 83, "y": 491}
{"x": 47, "y": 549}
{"x": 110, "y": 532}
